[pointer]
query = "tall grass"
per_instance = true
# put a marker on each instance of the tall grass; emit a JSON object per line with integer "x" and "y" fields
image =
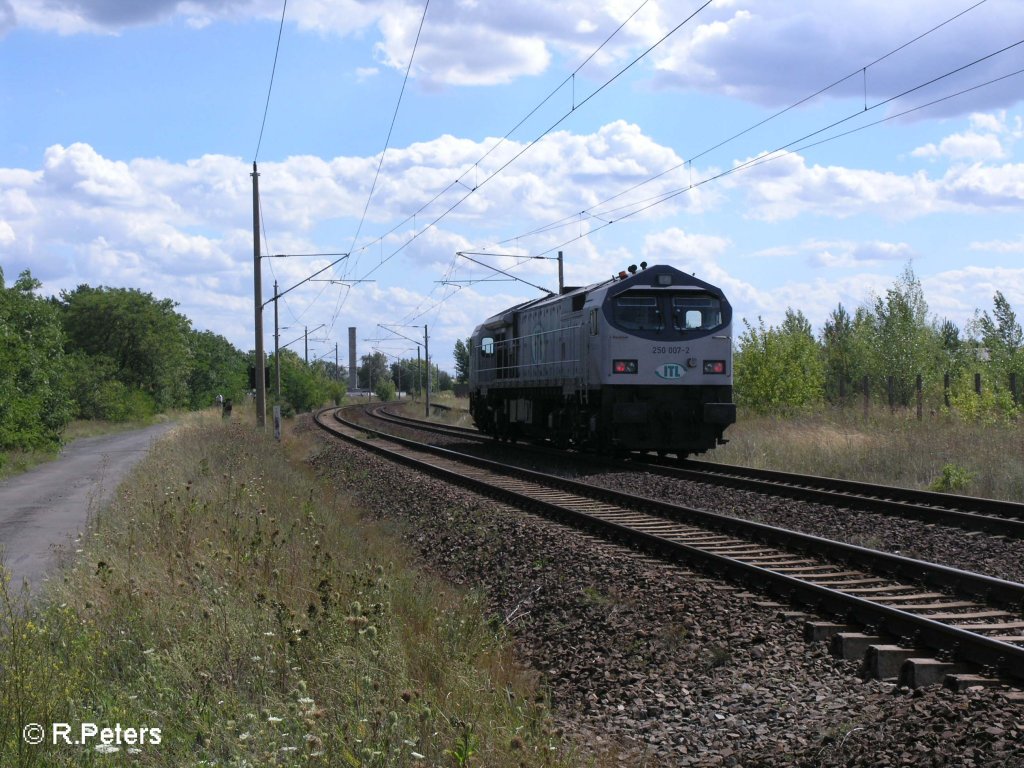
{"x": 894, "y": 449}
{"x": 244, "y": 609}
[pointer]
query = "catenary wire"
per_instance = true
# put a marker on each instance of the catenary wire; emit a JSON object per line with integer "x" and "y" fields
{"x": 574, "y": 216}
{"x": 412, "y": 217}
{"x": 519, "y": 154}
{"x": 391, "y": 128}
{"x": 780, "y": 152}
{"x": 270, "y": 87}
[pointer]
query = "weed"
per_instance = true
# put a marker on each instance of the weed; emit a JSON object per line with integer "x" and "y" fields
{"x": 953, "y": 479}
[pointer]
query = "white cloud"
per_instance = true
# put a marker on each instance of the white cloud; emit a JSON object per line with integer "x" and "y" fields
{"x": 965, "y": 146}
{"x": 770, "y": 51}
{"x": 981, "y": 186}
{"x": 987, "y": 139}
{"x": 956, "y": 293}
{"x": 848, "y": 253}
{"x": 182, "y": 230}
{"x": 999, "y": 246}
{"x": 776, "y": 52}
{"x": 7, "y": 236}
{"x": 787, "y": 186}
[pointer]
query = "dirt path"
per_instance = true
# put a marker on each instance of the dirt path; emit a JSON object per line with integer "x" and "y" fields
{"x": 46, "y": 507}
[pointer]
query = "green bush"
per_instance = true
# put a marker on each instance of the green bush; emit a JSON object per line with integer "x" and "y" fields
{"x": 385, "y": 390}
{"x": 954, "y": 478}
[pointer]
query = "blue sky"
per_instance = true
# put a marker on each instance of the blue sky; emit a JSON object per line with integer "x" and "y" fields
{"x": 129, "y": 130}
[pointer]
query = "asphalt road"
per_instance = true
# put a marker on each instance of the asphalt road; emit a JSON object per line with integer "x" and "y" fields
{"x": 46, "y": 507}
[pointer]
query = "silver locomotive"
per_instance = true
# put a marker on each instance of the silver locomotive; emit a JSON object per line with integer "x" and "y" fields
{"x": 641, "y": 362}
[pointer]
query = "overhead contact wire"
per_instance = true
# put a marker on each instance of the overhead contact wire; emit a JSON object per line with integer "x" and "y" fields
{"x": 270, "y": 88}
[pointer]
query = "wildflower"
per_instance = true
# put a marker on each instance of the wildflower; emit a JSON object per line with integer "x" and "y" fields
{"x": 107, "y": 749}
{"x": 273, "y": 719}
{"x": 244, "y": 736}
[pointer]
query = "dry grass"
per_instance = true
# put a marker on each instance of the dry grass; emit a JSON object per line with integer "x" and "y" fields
{"x": 895, "y": 449}
{"x": 457, "y": 414}
{"x": 233, "y": 601}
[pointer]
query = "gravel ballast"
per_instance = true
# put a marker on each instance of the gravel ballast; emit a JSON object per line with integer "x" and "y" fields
{"x": 661, "y": 663}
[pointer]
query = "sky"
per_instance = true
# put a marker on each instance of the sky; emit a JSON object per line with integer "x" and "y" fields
{"x": 797, "y": 153}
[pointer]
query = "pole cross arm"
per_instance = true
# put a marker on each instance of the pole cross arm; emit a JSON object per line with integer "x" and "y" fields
{"x": 306, "y": 280}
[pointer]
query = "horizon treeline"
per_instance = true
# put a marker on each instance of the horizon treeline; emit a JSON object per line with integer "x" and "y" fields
{"x": 119, "y": 354}
{"x": 888, "y": 342}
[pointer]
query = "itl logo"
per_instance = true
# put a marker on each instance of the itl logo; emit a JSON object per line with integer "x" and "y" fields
{"x": 669, "y": 371}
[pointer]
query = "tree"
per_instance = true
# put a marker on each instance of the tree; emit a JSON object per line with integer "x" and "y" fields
{"x": 1001, "y": 332}
{"x": 1002, "y": 342}
{"x": 305, "y": 387}
{"x": 217, "y": 368}
{"x": 838, "y": 346}
{"x": 34, "y": 402}
{"x": 779, "y": 369}
{"x": 462, "y": 360}
{"x": 145, "y": 338}
{"x": 374, "y": 369}
{"x": 385, "y": 390}
{"x": 444, "y": 380}
{"x": 903, "y": 343}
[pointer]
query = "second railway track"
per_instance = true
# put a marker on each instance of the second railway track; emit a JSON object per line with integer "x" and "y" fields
{"x": 962, "y": 615}
{"x": 992, "y": 516}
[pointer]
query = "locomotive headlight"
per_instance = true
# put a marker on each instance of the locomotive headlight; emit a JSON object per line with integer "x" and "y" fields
{"x": 714, "y": 366}
{"x": 624, "y": 366}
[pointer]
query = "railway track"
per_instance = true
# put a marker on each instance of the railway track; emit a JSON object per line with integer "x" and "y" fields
{"x": 962, "y": 616}
{"x": 992, "y": 516}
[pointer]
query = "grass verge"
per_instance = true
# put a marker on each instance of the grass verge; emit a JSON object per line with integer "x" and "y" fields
{"x": 939, "y": 452}
{"x": 238, "y": 605}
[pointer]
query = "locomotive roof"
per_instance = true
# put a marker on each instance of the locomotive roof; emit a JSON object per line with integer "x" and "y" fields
{"x": 646, "y": 278}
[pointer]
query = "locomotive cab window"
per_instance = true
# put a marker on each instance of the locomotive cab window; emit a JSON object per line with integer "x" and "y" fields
{"x": 637, "y": 313}
{"x": 690, "y": 313}
{"x": 486, "y": 347}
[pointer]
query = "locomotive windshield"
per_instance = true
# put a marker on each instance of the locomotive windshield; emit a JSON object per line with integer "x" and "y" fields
{"x": 638, "y": 313}
{"x": 673, "y": 312}
{"x": 696, "y": 312}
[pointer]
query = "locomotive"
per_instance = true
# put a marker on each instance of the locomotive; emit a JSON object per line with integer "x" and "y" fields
{"x": 640, "y": 362}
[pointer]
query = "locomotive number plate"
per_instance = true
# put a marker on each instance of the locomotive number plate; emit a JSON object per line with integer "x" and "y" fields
{"x": 661, "y": 349}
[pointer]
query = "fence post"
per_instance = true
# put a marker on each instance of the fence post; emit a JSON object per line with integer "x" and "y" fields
{"x": 945, "y": 389}
{"x": 888, "y": 384}
{"x": 977, "y": 384}
{"x": 866, "y": 396}
{"x": 919, "y": 397}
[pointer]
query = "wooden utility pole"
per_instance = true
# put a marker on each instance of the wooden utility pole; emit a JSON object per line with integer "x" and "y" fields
{"x": 261, "y": 384}
{"x": 426, "y": 360}
{"x": 277, "y": 350}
